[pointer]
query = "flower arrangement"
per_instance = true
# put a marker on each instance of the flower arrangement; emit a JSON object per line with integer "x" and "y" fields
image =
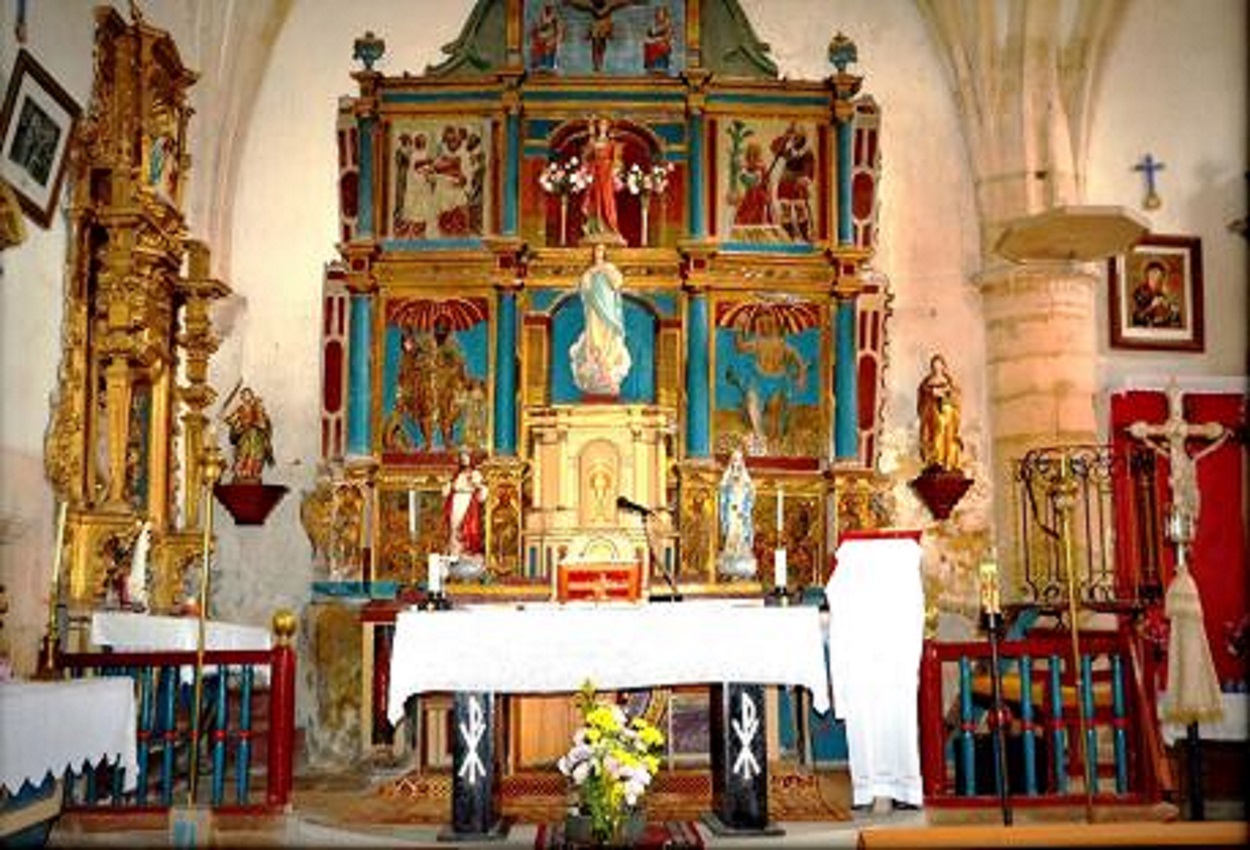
{"x": 611, "y": 762}
{"x": 648, "y": 181}
{"x": 564, "y": 178}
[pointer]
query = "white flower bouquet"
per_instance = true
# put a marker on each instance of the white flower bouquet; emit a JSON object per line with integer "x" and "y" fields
{"x": 611, "y": 762}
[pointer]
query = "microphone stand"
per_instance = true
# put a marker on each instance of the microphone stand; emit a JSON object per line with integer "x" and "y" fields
{"x": 673, "y": 595}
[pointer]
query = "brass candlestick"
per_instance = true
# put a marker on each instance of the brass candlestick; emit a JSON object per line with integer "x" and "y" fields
{"x": 54, "y": 592}
{"x": 211, "y": 467}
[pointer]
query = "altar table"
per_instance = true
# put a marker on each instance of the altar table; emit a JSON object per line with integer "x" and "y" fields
{"x": 54, "y": 726}
{"x": 555, "y": 648}
{"x": 735, "y": 647}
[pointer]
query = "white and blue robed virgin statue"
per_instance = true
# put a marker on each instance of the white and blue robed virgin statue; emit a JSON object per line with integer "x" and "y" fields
{"x": 599, "y": 357}
{"x": 737, "y": 525}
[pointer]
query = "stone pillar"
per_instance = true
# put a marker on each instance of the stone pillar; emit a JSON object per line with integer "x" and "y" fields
{"x": 1041, "y": 380}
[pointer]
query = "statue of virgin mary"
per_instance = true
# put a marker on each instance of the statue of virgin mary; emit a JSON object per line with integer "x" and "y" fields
{"x": 600, "y": 359}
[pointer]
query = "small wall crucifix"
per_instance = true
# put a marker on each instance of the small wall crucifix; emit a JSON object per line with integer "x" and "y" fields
{"x": 1148, "y": 167}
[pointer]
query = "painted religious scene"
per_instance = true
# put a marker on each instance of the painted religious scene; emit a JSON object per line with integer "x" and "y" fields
{"x": 771, "y": 184}
{"x": 436, "y": 396}
{"x": 609, "y": 37}
{"x": 438, "y": 172}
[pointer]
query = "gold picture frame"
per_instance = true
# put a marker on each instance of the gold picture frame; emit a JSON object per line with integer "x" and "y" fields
{"x": 1156, "y": 295}
{"x": 36, "y": 128}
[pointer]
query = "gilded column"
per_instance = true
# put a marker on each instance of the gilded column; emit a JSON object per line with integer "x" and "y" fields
{"x": 842, "y": 52}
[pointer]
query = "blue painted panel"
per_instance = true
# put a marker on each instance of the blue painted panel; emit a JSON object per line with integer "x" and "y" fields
{"x": 640, "y": 330}
{"x": 768, "y": 99}
{"x": 846, "y": 385}
{"x": 846, "y": 223}
{"x": 431, "y": 244}
{"x": 505, "y": 375}
{"x": 768, "y": 247}
{"x": 361, "y": 333}
{"x": 544, "y": 300}
{"x": 462, "y": 97}
{"x": 698, "y": 414}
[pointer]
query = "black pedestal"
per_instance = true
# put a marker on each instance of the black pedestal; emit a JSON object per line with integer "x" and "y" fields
{"x": 475, "y": 777}
{"x": 739, "y": 762}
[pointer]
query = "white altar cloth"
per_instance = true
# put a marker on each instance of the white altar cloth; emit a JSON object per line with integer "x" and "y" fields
{"x": 556, "y": 648}
{"x": 124, "y": 631}
{"x": 51, "y": 726}
{"x": 128, "y": 632}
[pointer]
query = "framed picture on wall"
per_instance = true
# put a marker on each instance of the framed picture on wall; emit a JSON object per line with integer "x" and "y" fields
{"x": 36, "y": 125}
{"x": 1156, "y": 295}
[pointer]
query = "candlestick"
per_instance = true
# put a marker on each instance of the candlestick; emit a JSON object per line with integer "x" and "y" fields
{"x": 54, "y": 593}
{"x": 779, "y": 568}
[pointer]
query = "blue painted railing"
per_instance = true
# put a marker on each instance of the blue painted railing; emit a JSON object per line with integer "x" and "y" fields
{"x": 1046, "y": 697}
{"x": 237, "y": 719}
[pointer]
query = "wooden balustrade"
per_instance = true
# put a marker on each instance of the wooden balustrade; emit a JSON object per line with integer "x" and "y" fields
{"x": 1045, "y": 697}
{"x": 247, "y": 729}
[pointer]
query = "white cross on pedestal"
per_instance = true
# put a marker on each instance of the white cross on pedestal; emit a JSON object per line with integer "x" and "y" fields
{"x": 1168, "y": 440}
{"x": 1193, "y": 687}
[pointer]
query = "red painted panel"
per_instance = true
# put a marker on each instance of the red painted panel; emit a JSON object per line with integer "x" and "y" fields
{"x": 862, "y": 186}
{"x": 333, "y": 377}
{"x": 867, "y": 392}
{"x": 1219, "y": 559}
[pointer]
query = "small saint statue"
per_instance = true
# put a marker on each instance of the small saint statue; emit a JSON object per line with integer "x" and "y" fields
{"x": 937, "y": 404}
{"x": 464, "y": 511}
{"x": 941, "y": 483}
{"x": 251, "y": 435}
{"x": 737, "y": 524}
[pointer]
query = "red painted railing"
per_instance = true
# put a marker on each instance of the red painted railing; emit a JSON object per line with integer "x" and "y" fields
{"x": 1045, "y": 695}
{"x": 241, "y": 716}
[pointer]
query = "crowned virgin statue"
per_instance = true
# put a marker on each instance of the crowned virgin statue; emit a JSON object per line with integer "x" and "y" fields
{"x": 737, "y": 523}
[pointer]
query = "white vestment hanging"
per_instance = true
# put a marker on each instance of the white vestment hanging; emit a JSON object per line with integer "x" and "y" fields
{"x": 876, "y": 629}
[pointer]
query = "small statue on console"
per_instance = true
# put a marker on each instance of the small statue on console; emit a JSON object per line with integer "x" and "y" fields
{"x": 937, "y": 405}
{"x": 251, "y": 435}
{"x": 941, "y": 483}
{"x": 737, "y": 522}
{"x": 464, "y": 511}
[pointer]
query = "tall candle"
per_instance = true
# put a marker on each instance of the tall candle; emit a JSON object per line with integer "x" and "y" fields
{"x": 779, "y": 568}
{"x": 62, "y": 509}
{"x": 434, "y": 573}
{"x": 781, "y": 501}
{"x": 412, "y": 514}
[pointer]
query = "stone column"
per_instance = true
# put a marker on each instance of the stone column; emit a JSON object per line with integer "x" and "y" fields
{"x": 1040, "y": 355}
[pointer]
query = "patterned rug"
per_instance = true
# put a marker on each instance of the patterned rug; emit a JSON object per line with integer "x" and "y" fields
{"x": 794, "y": 794}
{"x": 673, "y": 833}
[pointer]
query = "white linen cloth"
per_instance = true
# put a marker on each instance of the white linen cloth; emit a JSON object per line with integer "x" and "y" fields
{"x": 51, "y": 726}
{"x": 556, "y": 648}
{"x": 125, "y": 631}
{"x": 876, "y": 630}
{"x": 129, "y": 632}
{"x": 1233, "y": 726}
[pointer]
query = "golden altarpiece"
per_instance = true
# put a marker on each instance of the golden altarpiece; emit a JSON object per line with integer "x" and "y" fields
{"x": 464, "y": 318}
{"x": 128, "y": 422}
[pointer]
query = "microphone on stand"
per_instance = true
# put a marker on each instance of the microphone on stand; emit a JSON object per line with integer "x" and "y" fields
{"x": 625, "y": 503}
